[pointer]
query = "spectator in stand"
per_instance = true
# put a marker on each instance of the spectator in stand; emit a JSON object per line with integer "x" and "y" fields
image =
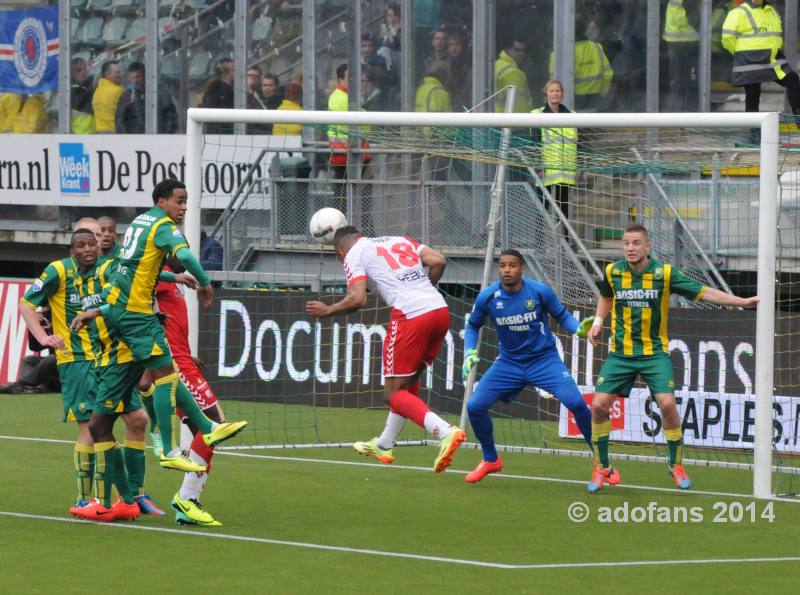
{"x": 23, "y": 114}
{"x": 255, "y": 101}
{"x": 427, "y": 17}
{"x": 371, "y": 60}
{"x": 219, "y": 94}
{"x": 508, "y": 71}
{"x": 10, "y": 104}
{"x": 292, "y": 100}
{"x": 372, "y": 98}
{"x": 271, "y": 91}
{"x": 460, "y": 63}
{"x": 131, "y": 107}
{"x": 390, "y": 51}
{"x": 211, "y": 252}
{"x": 438, "y": 49}
{"x": 681, "y": 23}
{"x": 106, "y": 96}
{"x": 80, "y": 98}
{"x": 32, "y": 118}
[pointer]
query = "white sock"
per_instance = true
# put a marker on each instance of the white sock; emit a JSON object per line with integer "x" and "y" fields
{"x": 392, "y": 429}
{"x": 437, "y": 426}
{"x": 173, "y": 453}
{"x": 193, "y": 483}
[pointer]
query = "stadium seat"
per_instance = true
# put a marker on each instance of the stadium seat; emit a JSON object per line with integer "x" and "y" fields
{"x": 137, "y": 29}
{"x": 166, "y": 25}
{"x": 200, "y": 65}
{"x": 92, "y": 31}
{"x": 74, "y": 25}
{"x": 170, "y": 67}
{"x": 261, "y": 28}
{"x": 114, "y": 30}
{"x": 167, "y": 7}
{"x": 197, "y": 4}
{"x": 77, "y": 4}
{"x": 99, "y": 5}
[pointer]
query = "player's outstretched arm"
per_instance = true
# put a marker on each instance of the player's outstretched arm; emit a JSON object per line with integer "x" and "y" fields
{"x": 436, "y": 263}
{"x": 715, "y": 296}
{"x": 31, "y": 319}
{"x": 355, "y": 299}
{"x": 602, "y": 310}
{"x": 205, "y": 293}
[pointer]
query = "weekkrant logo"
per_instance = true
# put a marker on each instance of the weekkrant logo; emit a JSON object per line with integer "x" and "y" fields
{"x": 74, "y": 168}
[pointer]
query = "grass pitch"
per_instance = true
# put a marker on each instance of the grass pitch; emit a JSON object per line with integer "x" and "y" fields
{"x": 327, "y": 521}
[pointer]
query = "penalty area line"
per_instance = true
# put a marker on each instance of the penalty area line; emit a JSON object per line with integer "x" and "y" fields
{"x": 387, "y": 554}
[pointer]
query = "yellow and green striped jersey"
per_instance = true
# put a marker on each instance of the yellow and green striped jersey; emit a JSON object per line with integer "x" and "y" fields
{"x": 151, "y": 237}
{"x": 113, "y": 253}
{"x": 641, "y": 304}
{"x": 107, "y": 349}
{"x": 56, "y": 287}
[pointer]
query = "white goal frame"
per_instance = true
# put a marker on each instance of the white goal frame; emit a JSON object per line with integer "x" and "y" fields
{"x": 767, "y": 122}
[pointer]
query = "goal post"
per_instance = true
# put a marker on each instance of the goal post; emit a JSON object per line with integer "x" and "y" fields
{"x": 768, "y": 191}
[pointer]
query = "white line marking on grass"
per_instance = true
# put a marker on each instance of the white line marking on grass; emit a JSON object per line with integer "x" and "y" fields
{"x": 369, "y": 552}
{"x": 230, "y": 453}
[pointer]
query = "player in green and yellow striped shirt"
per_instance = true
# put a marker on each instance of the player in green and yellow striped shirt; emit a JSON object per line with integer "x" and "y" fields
{"x": 128, "y": 313}
{"x": 73, "y": 350}
{"x": 636, "y": 290}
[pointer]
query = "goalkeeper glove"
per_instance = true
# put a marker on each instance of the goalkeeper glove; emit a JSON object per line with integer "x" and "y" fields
{"x": 470, "y": 359}
{"x": 584, "y": 326}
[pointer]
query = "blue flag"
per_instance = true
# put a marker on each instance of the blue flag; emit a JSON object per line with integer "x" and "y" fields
{"x": 29, "y": 50}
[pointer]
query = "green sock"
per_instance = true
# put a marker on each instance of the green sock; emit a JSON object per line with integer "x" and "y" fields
{"x": 115, "y": 462}
{"x": 133, "y": 456}
{"x": 187, "y": 404}
{"x": 147, "y": 402}
{"x": 103, "y": 474}
{"x": 600, "y": 433}
{"x": 164, "y": 409}
{"x": 83, "y": 457}
{"x": 675, "y": 446}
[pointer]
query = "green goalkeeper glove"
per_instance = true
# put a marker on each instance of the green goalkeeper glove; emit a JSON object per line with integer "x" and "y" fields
{"x": 584, "y": 326}
{"x": 470, "y": 359}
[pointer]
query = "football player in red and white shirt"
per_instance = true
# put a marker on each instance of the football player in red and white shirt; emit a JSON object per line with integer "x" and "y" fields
{"x": 418, "y": 323}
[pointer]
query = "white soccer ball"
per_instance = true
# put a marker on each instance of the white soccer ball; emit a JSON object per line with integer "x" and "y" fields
{"x": 324, "y": 224}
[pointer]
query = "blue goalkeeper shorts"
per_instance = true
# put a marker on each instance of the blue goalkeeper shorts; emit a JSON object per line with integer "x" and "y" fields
{"x": 505, "y": 379}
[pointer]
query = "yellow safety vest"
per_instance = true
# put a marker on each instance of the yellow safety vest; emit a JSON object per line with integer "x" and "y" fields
{"x": 755, "y": 37}
{"x": 593, "y": 73}
{"x": 677, "y": 28}
{"x": 338, "y": 102}
{"x": 506, "y": 73}
{"x": 559, "y": 154}
{"x": 717, "y": 18}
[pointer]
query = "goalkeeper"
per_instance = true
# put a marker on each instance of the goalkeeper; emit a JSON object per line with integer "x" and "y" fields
{"x": 518, "y": 308}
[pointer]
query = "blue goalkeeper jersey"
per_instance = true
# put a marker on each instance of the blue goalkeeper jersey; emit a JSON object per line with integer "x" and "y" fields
{"x": 521, "y": 319}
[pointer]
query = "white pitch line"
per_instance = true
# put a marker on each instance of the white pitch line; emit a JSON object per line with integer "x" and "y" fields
{"x": 300, "y": 544}
{"x": 369, "y": 552}
{"x": 457, "y": 471}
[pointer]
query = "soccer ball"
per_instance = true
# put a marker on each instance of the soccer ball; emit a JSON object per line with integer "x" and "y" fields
{"x": 324, "y": 224}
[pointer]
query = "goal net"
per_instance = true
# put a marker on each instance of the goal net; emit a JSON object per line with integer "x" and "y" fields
{"x": 698, "y": 182}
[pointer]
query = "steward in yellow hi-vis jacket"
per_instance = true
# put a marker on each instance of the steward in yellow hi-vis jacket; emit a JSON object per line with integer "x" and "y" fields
{"x": 753, "y": 33}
